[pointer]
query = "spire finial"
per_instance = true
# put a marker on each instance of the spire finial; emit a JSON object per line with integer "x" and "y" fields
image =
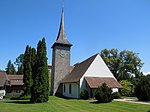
{"x": 63, "y": 2}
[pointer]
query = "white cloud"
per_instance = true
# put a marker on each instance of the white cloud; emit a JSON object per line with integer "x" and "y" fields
{"x": 146, "y": 73}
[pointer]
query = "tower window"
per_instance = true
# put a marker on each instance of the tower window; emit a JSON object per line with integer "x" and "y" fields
{"x": 64, "y": 88}
{"x": 70, "y": 88}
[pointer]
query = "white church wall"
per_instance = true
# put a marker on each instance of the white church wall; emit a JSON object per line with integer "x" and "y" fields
{"x": 114, "y": 90}
{"x": 98, "y": 68}
{"x": 74, "y": 90}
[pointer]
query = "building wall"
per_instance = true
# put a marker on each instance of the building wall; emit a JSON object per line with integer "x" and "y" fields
{"x": 60, "y": 67}
{"x": 74, "y": 90}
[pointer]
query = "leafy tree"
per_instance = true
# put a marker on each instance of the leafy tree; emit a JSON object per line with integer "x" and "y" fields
{"x": 127, "y": 88}
{"x": 122, "y": 64}
{"x": 103, "y": 94}
{"x": 142, "y": 89}
{"x": 27, "y": 79}
{"x": 19, "y": 64}
{"x": 40, "y": 88}
{"x": 10, "y": 69}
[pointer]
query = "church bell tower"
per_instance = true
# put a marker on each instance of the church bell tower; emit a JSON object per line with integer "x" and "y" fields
{"x": 60, "y": 59}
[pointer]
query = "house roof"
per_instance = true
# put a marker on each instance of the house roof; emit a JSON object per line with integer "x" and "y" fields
{"x": 16, "y": 79}
{"x": 78, "y": 70}
{"x": 95, "y": 82}
{"x": 3, "y": 79}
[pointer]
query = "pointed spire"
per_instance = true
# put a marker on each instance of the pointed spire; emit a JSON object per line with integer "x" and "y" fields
{"x": 61, "y": 34}
{"x": 61, "y": 38}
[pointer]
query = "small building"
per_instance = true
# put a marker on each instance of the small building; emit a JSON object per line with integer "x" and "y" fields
{"x": 16, "y": 84}
{"x": 4, "y": 83}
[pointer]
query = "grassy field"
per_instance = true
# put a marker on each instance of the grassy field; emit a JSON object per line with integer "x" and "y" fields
{"x": 56, "y": 104}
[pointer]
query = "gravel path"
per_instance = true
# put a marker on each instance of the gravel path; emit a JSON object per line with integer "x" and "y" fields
{"x": 132, "y": 101}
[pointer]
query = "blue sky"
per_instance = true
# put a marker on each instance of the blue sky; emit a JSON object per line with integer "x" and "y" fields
{"x": 90, "y": 25}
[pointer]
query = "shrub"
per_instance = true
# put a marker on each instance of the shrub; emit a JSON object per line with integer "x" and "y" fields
{"x": 142, "y": 89}
{"x": 84, "y": 95}
{"x": 103, "y": 94}
{"x": 25, "y": 97}
{"x": 116, "y": 95}
{"x": 127, "y": 88}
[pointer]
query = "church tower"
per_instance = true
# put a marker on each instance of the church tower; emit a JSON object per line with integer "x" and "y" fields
{"x": 60, "y": 59}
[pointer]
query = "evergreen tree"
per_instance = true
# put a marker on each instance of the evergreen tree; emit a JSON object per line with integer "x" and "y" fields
{"x": 27, "y": 79}
{"x": 10, "y": 68}
{"x": 142, "y": 89}
{"x": 103, "y": 94}
{"x": 40, "y": 88}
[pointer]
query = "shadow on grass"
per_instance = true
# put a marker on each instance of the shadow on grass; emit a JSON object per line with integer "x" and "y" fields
{"x": 19, "y": 102}
{"x": 148, "y": 111}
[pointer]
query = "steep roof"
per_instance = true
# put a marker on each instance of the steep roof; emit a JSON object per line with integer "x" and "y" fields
{"x": 15, "y": 79}
{"x": 3, "y": 79}
{"x": 95, "y": 82}
{"x": 79, "y": 70}
{"x": 61, "y": 38}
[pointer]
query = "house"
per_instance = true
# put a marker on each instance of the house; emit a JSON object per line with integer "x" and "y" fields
{"x": 70, "y": 81}
{"x": 16, "y": 84}
{"x": 4, "y": 83}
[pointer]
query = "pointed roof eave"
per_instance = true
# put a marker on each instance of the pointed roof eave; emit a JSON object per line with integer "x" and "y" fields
{"x": 61, "y": 38}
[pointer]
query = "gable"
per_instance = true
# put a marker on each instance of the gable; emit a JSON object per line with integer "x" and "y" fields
{"x": 98, "y": 68}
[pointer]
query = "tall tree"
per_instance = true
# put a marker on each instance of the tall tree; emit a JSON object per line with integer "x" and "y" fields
{"x": 10, "y": 69}
{"x": 19, "y": 64}
{"x": 27, "y": 79}
{"x": 122, "y": 64}
{"x": 40, "y": 88}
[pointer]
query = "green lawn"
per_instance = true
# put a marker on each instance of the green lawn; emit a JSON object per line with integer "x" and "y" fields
{"x": 56, "y": 104}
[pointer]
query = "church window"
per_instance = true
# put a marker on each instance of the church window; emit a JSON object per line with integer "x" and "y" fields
{"x": 64, "y": 88}
{"x": 70, "y": 88}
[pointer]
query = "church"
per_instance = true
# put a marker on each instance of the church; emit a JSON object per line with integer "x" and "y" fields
{"x": 69, "y": 81}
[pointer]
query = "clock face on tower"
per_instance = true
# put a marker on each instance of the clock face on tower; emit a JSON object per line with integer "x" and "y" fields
{"x": 62, "y": 53}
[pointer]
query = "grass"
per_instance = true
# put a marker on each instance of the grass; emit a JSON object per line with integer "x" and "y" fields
{"x": 56, "y": 104}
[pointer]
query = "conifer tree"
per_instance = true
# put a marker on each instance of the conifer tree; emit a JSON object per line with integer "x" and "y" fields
{"x": 27, "y": 79}
{"x": 40, "y": 88}
{"x": 10, "y": 68}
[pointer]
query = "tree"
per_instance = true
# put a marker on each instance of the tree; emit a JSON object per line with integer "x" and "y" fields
{"x": 127, "y": 88}
{"x": 122, "y": 64}
{"x": 10, "y": 69}
{"x": 27, "y": 79}
{"x": 19, "y": 64}
{"x": 103, "y": 94}
{"x": 40, "y": 88}
{"x": 142, "y": 89}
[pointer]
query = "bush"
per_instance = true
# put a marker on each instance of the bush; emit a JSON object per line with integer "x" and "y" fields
{"x": 12, "y": 96}
{"x": 127, "y": 88}
{"x": 25, "y": 97}
{"x": 103, "y": 94}
{"x": 116, "y": 95}
{"x": 142, "y": 89}
{"x": 84, "y": 95}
